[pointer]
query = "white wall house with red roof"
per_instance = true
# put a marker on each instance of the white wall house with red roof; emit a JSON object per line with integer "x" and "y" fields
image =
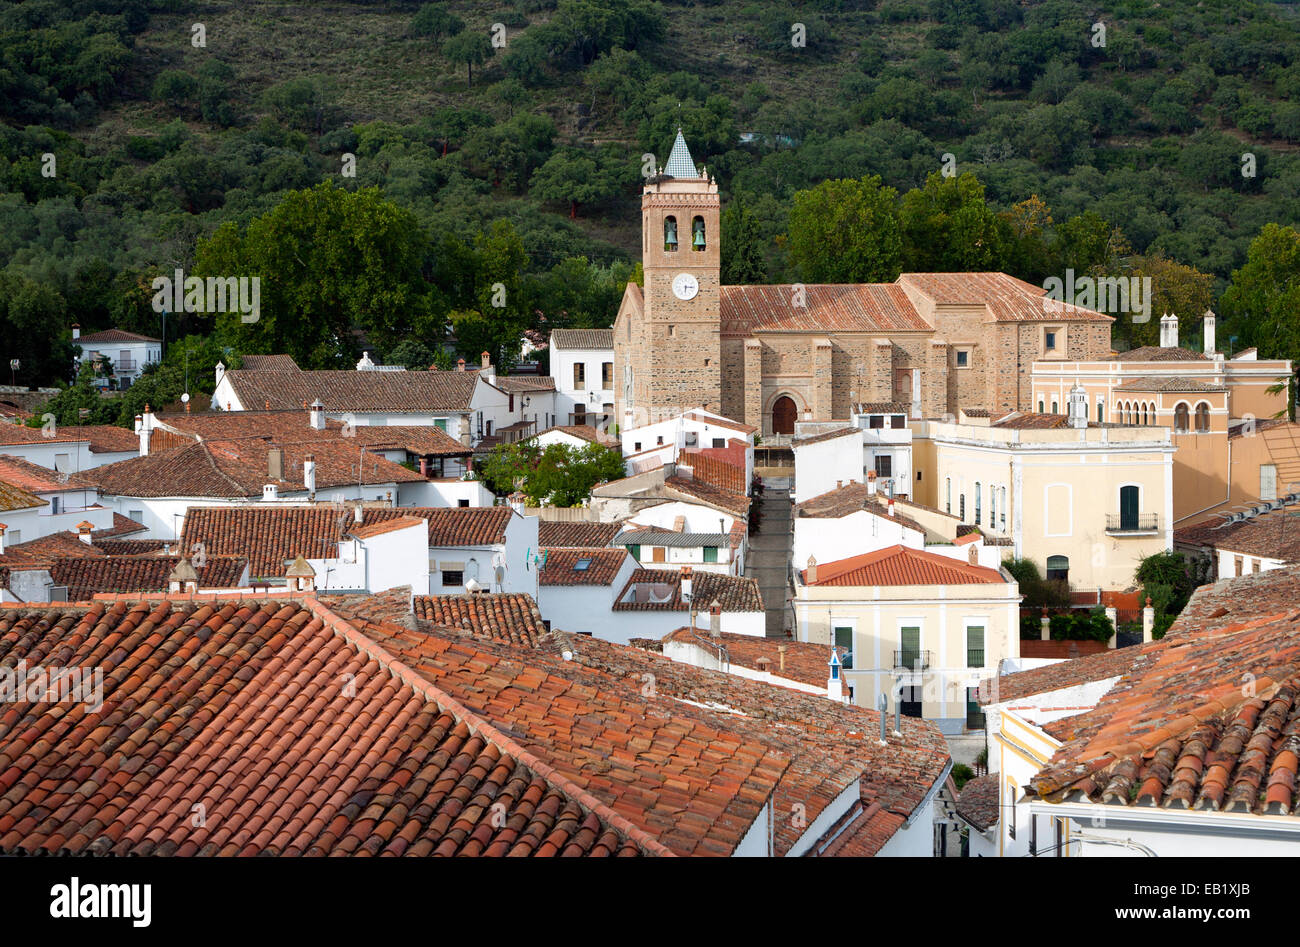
{"x": 582, "y": 364}
{"x": 505, "y": 563}
{"x": 577, "y": 588}
{"x": 377, "y": 557}
{"x": 921, "y": 628}
{"x": 127, "y": 352}
{"x": 696, "y": 428}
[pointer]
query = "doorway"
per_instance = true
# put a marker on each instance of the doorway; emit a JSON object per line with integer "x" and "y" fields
{"x": 783, "y": 415}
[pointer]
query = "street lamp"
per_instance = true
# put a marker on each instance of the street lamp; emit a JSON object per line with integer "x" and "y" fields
{"x": 14, "y": 365}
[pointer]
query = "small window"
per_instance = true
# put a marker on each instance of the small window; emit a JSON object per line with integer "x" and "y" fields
{"x": 1058, "y": 568}
{"x": 452, "y": 577}
{"x": 582, "y": 565}
{"x": 948, "y": 493}
{"x": 710, "y": 553}
{"x": 634, "y": 550}
{"x": 978, "y": 491}
{"x": 719, "y": 442}
{"x": 975, "y": 646}
{"x": 1056, "y": 409}
{"x": 876, "y": 421}
{"x": 136, "y": 515}
{"x": 697, "y": 234}
{"x": 462, "y": 502}
{"x": 897, "y": 421}
{"x": 1049, "y": 341}
{"x": 1101, "y": 411}
{"x": 672, "y": 331}
{"x": 844, "y": 645}
{"x": 579, "y": 376}
{"x": 962, "y": 509}
{"x": 636, "y": 447}
{"x": 440, "y": 424}
{"x": 670, "y": 234}
{"x": 607, "y": 375}
{"x": 884, "y": 465}
{"x": 1202, "y": 418}
{"x": 963, "y": 358}
{"x": 1040, "y": 406}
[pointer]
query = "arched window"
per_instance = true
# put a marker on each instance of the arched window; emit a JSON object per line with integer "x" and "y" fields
{"x": 1055, "y": 409}
{"x": 1101, "y": 411}
{"x": 670, "y": 233}
{"x": 1123, "y": 412}
{"x": 977, "y": 502}
{"x": 993, "y": 506}
{"x": 1144, "y": 415}
{"x": 962, "y": 508}
{"x": 697, "y": 234}
{"x": 1058, "y": 568}
{"x": 1004, "y": 509}
{"x": 1180, "y": 417}
{"x": 1202, "y": 417}
{"x": 1040, "y": 406}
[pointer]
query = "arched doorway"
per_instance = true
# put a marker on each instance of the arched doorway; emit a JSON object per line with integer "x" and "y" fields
{"x": 783, "y": 415}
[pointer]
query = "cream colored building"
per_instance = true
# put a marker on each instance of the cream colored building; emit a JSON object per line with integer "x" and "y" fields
{"x": 1086, "y": 503}
{"x": 920, "y": 628}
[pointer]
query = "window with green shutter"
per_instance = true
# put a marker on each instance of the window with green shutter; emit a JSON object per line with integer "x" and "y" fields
{"x": 844, "y": 644}
{"x": 710, "y": 553}
{"x": 635, "y": 550}
{"x": 975, "y": 646}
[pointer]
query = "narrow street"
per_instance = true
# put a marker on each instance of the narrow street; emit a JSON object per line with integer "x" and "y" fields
{"x": 769, "y": 552}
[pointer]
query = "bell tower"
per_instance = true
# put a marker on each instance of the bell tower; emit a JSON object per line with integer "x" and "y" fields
{"x": 671, "y": 357}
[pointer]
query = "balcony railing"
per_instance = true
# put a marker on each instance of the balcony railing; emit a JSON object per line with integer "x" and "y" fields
{"x": 1133, "y": 523}
{"x": 912, "y": 660}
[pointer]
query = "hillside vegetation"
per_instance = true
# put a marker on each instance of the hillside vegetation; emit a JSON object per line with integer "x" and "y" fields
{"x": 496, "y": 189}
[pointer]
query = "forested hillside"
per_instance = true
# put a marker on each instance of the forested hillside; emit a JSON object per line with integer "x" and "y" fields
{"x": 496, "y": 184}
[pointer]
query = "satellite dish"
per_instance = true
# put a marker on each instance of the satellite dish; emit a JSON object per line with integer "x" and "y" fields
{"x": 185, "y": 398}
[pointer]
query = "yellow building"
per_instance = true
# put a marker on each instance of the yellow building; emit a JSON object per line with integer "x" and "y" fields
{"x": 919, "y": 627}
{"x": 1086, "y": 501}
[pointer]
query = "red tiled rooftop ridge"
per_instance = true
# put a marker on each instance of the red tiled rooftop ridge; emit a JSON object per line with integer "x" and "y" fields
{"x": 901, "y": 565}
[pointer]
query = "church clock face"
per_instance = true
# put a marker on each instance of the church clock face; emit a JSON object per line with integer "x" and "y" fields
{"x": 685, "y": 286}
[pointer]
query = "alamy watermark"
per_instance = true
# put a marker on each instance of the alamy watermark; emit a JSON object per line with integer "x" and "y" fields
{"x": 1110, "y": 294}
{"x": 242, "y": 294}
{"x": 53, "y": 685}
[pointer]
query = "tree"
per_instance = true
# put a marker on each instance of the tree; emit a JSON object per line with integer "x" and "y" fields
{"x": 468, "y": 49}
{"x": 846, "y": 231}
{"x": 329, "y": 261}
{"x": 413, "y": 354}
{"x": 555, "y": 475}
{"x": 573, "y": 178}
{"x": 947, "y": 227}
{"x": 1165, "y": 579}
{"x": 1262, "y": 303}
{"x": 433, "y": 20}
{"x": 742, "y": 254}
{"x": 1182, "y": 290}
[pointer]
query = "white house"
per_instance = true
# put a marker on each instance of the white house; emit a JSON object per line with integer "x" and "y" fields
{"x": 127, "y": 352}
{"x": 41, "y": 502}
{"x": 582, "y": 364}
{"x": 377, "y": 556}
{"x": 655, "y": 602}
{"x": 668, "y": 437}
{"x": 577, "y": 587}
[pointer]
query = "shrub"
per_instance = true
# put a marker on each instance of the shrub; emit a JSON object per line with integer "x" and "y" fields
{"x": 962, "y": 774}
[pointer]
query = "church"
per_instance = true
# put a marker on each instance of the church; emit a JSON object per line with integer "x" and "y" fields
{"x": 927, "y": 344}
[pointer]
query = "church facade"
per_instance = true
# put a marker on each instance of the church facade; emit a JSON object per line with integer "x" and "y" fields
{"x": 772, "y": 355}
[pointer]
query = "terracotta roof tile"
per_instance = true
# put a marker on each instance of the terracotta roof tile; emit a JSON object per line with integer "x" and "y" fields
{"x": 505, "y": 616}
{"x": 828, "y": 436}
{"x": 13, "y": 497}
{"x": 1005, "y": 298}
{"x": 582, "y": 338}
{"x": 37, "y": 479}
{"x": 1155, "y": 353}
{"x": 803, "y": 661}
{"x": 979, "y": 801}
{"x": 734, "y": 593}
{"x": 602, "y": 566}
{"x": 901, "y": 565}
{"x": 1168, "y": 383}
{"x": 872, "y": 307}
{"x": 21, "y": 434}
{"x": 341, "y": 390}
{"x": 553, "y": 534}
{"x": 853, "y": 498}
{"x": 113, "y": 335}
{"x": 692, "y": 489}
{"x": 93, "y": 575}
{"x": 1051, "y": 677}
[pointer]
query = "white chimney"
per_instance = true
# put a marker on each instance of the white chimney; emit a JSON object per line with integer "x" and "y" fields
{"x": 871, "y": 483}
{"x": 143, "y": 433}
{"x": 1077, "y": 407}
{"x": 715, "y": 619}
{"x": 356, "y": 514}
{"x": 889, "y": 507}
{"x": 516, "y": 501}
{"x": 270, "y": 492}
{"x": 686, "y": 583}
{"x": 309, "y": 474}
{"x": 1169, "y": 331}
{"x": 83, "y": 532}
{"x": 835, "y": 683}
{"x": 221, "y": 371}
{"x": 317, "y": 416}
{"x": 1209, "y": 333}
{"x": 810, "y": 572}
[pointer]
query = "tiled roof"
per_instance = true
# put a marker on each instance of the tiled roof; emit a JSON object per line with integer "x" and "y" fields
{"x": 601, "y": 569}
{"x": 45, "y": 549}
{"x": 21, "y": 434}
{"x": 849, "y": 499}
{"x": 1207, "y": 718}
{"x": 691, "y": 489}
{"x": 1168, "y": 383}
{"x": 92, "y": 575}
{"x": 1062, "y": 674}
{"x": 114, "y": 335}
{"x": 587, "y": 535}
{"x": 286, "y": 427}
{"x": 134, "y": 547}
{"x": 584, "y": 432}
{"x": 582, "y": 338}
{"x": 237, "y": 468}
{"x": 380, "y": 527}
{"x": 16, "y": 498}
{"x": 283, "y": 758}
{"x": 734, "y": 593}
{"x": 108, "y": 438}
{"x": 37, "y": 479}
{"x": 268, "y": 363}
{"x": 714, "y": 470}
{"x": 979, "y": 801}
{"x": 1154, "y": 353}
{"x": 900, "y": 565}
{"x": 341, "y": 390}
{"x": 804, "y": 662}
{"x": 868, "y": 307}
{"x": 1274, "y": 535}
{"x": 692, "y": 760}
{"x": 504, "y": 616}
{"x": 1026, "y": 420}
{"x": 523, "y": 384}
{"x": 719, "y": 421}
{"x": 828, "y": 436}
{"x": 122, "y": 526}
{"x": 1005, "y": 298}
{"x": 271, "y": 535}
{"x": 882, "y": 407}
{"x": 653, "y": 536}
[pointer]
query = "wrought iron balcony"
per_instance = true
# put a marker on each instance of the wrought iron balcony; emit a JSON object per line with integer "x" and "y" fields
{"x": 911, "y": 660}
{"x": 1120, "y": 523}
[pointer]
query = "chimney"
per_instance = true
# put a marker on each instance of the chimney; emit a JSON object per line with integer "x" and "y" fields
{"x": 882, "y": 707}
{"x": 76, "y": 332}
{"x": 221, "y": 371}
{"x": 810, "y": 574}
{"x": 715, "y": 619}
{"x": 300, "y": 576}
{"x": 780, "y": 653}
{"x": 871, "y": 483}
{"x": 83, "y": 532}
{"x": 275, "y": 464}
{"x": 1169, "y": 331}
{"x": 183, "y": 578}
{"x": 424, "y": 466}
{"x": 516, "y": 501}
{"x": 485, "y": 361}
{"x": 687, "y": 583}
{"x": 309, "y": 474}
{"x": 460, "y": 364}
{"x": 1209, "y": 333}
{"x": 270, "y": 492}
{"x": 143, "y": 433}
{"x": 317, "y": 416}
{"x": 764, "y": 667}
{"x": 889, "y": 507}
{"x": 839, "y": 484}
{"x": 834, "y": 683}
{"x": 3, "y": 530}
{"x": 356, "y": 514}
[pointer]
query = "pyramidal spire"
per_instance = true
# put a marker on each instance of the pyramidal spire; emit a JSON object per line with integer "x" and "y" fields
{"x": 680, "y": 164}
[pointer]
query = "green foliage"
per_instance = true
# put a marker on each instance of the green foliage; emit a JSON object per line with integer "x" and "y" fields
{"x": 556, "y": 475}
{"x": 742, "y": 253}
{"x": 1165, "y": 578}
{"x": 947, "y": 226}
{"x": 962, "y": 774}
{"x": 1262, "y": 304}
{"x": 846, "y": 231}
{"x": 432, "y": 19}
{"x": 1078, "y": 625}
{"x": 1037, "y": 592}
